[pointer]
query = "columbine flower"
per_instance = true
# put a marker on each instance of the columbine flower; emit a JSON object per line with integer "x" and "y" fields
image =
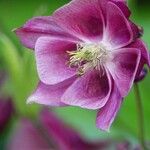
{"x": 50, "y": 134}
{"x": 88, "y": 54}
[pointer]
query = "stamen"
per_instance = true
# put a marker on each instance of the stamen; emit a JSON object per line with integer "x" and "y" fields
{"x": 88, "y": 56}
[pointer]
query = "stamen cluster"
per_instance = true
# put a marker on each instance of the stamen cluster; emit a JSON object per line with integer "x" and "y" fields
{"x": 88, "y": 56}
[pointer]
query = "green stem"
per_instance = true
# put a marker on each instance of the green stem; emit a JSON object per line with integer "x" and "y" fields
{"x": 140, "y": 115}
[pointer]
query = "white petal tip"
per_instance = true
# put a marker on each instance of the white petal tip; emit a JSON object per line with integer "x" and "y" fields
{"x": 30, "y": 100}
{"x": 103, "y": 128}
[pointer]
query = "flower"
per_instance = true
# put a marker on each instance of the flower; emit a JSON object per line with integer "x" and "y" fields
{"x": 88, "y": 54}
{"x": 50, "y": 134}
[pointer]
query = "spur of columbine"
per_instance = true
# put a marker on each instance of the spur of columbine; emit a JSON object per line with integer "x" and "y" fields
{"x": 88, "y": 54}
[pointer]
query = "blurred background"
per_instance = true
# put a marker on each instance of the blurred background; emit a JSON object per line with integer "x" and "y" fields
{"x": 18, "y": 75}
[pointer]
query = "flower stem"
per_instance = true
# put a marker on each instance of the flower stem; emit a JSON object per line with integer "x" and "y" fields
{"x": 140, "y": 115}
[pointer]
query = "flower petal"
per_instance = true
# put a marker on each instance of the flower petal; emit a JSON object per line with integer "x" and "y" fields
{"x": 50, "y": 94}
{"x": 123, "y": 7}
{"x": 83, "y": 19}
{"x": 123, "y": 68}
{"x": 89, "y": 91}
{"x": 120, "y": 3}
{"x": 139, "y": 44}
{"x": 145, "y": 56}
{"x": 118, "y": 30}
{"x": 136, "y": 30}
{"x": 65, "y": 137}
{"x": 40, "y": 26}
{"x": 27, "y": 137}
{"x": 51, "y": 58}
{"x": 141, "y": 75}
{"x": 107, "y": 114}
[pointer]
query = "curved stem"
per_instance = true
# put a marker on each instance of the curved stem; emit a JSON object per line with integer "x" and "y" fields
{"x": 140, "y": 115}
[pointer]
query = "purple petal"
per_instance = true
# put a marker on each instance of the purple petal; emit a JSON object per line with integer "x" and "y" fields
{"x": 89, "y": 91}
{"x": 123, "y": 68}
{"x": 52, "y": 58}
{"x": 62, "y": 134}
{"x": 139, "y": 44}
{"x": 107, "y": 114}
{"x": 123, "y": 7}
{"x": 65, "y": 137}
{"x": 50, "y": 133}
{"x": 50, "y": 94}
{"x": 136, "y": 30}
{"x": 120, "y": 3}
{"x": 141, "y": 76}
{"x": 27, "y": 137}
{"x": 145, "y": 57}
{"x": 83, "y": 19}
{"x": 118, "y": 30}
{"x": 40, "y": 26}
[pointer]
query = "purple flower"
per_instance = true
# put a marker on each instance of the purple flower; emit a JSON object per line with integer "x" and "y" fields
{"x": 50, "y": 134}
{"x": 88, "y": 54}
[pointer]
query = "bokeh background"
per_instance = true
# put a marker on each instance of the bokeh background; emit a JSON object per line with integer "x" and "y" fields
{"x": 18, "y": 66}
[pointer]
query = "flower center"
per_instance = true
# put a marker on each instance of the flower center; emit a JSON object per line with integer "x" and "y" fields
{"x": 88, "y": 56}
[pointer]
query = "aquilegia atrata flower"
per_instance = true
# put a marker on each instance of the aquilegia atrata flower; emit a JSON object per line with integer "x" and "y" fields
{"x": 88, "y": 54}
